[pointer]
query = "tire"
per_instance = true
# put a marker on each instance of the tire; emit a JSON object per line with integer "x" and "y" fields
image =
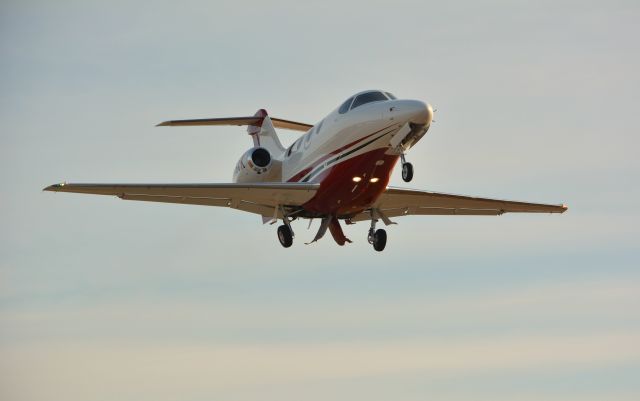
{"x": 407, "y": 172}
{"x": 284, "y": 236}
{"x": 379, "y": 240}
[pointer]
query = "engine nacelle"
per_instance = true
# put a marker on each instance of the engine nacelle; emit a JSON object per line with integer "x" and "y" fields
{"x": 257, "y": 165}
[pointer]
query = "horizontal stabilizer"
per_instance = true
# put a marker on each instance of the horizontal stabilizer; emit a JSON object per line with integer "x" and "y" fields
{"x": 253, "y": 120}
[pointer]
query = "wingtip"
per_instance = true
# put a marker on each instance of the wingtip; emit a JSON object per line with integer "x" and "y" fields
{"x": 163, "y": 124}
{"x": 54, "y": 187}
{"x": 564, "y": 208}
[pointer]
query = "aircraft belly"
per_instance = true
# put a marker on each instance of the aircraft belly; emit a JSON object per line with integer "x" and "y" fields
{"x": 340, "y": 195}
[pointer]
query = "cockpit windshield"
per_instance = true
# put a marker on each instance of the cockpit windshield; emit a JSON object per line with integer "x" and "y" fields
{"x": 345, "y": 106}
{"x": 364, "y": 98}
{"x": 368, "y": 97}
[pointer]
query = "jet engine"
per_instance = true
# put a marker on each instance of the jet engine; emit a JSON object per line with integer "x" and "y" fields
{"x": 257, "y": 165}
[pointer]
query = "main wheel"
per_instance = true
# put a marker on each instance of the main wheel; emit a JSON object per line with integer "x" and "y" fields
{"x": 379, "y": 240}
{"x": 285, "y": 236}
{"x": 407, "y": 172}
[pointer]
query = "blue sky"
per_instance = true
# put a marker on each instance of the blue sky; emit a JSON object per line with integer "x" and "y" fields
{"x": 103, "y": 299}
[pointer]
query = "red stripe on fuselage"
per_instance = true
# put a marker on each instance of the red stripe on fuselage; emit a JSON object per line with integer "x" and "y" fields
{"x": 300, "y": 175}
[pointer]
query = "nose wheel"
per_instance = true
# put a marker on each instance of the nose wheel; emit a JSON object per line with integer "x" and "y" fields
{"x": 407, "y": 170}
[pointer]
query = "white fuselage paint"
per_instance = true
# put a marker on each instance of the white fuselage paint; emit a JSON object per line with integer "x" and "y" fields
{"x": 336, "y": 131}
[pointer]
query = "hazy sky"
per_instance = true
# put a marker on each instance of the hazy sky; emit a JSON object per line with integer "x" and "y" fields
{"x": 105, "y": 299}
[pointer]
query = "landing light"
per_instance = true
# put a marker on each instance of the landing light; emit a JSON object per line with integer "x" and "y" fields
{"x": 357, "y": 179}
{"x": 374, "y": 179}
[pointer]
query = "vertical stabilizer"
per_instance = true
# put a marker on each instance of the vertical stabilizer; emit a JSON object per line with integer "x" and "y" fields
{"x": 264, "y": 135}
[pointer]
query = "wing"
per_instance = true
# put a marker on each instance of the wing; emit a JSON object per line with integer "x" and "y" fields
{"x": 277, "y": 122}
{"x": 402, "y": 202}
{"x": 261, "y": 198}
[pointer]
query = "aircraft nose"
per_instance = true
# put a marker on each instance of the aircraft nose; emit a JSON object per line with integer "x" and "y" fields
{"x": 421, "y": 112}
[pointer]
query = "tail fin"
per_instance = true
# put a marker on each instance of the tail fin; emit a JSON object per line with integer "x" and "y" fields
{"x": 264, "y": 135}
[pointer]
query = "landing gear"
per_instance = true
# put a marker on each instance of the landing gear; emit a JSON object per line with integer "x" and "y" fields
{"x": 285, "y": 232}
{"x": 407, "y": 170}
{"x": 285, "y": 236}
{"x": 377, "y": 238}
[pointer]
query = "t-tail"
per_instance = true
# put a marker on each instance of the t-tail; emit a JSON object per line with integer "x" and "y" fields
{"x": 264, "y": 134}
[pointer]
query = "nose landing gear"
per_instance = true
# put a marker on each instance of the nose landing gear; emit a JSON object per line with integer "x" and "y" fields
{"x": 407, "y": 169}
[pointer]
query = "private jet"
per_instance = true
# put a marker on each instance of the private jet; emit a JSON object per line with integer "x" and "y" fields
{"x": 339, "y": 169}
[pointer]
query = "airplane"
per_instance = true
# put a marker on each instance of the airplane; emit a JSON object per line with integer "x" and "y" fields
{"x": 338, "y": 170}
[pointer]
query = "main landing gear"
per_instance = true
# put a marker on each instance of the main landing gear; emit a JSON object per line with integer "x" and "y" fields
{"x": 285, "y": 232}
{"x": 407, "y": 169}
{"x": 285, "y": 236}
{"x": 377, "y": 238}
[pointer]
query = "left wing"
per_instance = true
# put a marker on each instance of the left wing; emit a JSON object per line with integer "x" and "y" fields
{"x": 402, "y": 202}
{"x": 262, "y": 198}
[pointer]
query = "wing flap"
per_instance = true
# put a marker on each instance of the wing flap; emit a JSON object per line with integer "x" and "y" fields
{"x": 403, "y": 198}
{"x": 185, "y": 200}
{"x": 429, "y": 211}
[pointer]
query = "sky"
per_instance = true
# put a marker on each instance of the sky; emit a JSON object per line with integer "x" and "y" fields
{"x": 105, "y": 299}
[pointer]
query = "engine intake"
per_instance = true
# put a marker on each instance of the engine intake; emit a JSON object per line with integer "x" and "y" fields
{"x": 261, "y": 157}
{"x": 257, "y": 165}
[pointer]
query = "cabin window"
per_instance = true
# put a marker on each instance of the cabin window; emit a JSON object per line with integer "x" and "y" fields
{"x": 319, "y": 127}
{"x": 391, "y": 96}
{"x": 368, "y": 97}
{"x": 345, "y": 106}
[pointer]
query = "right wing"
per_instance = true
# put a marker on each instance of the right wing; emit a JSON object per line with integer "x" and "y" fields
{"x": 277, "y": 122}
{"x": 262, "y": 198}
{"x": 396, "y": 202}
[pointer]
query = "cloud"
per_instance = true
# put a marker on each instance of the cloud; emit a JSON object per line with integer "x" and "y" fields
{"x": 570, "y": 307}
{"x": 147, "y": 370}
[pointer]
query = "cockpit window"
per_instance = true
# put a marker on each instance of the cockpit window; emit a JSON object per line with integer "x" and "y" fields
{"x": 391, "y": 96}
{"x": 345, "y": 106}
{"x": 368, "y": 98}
